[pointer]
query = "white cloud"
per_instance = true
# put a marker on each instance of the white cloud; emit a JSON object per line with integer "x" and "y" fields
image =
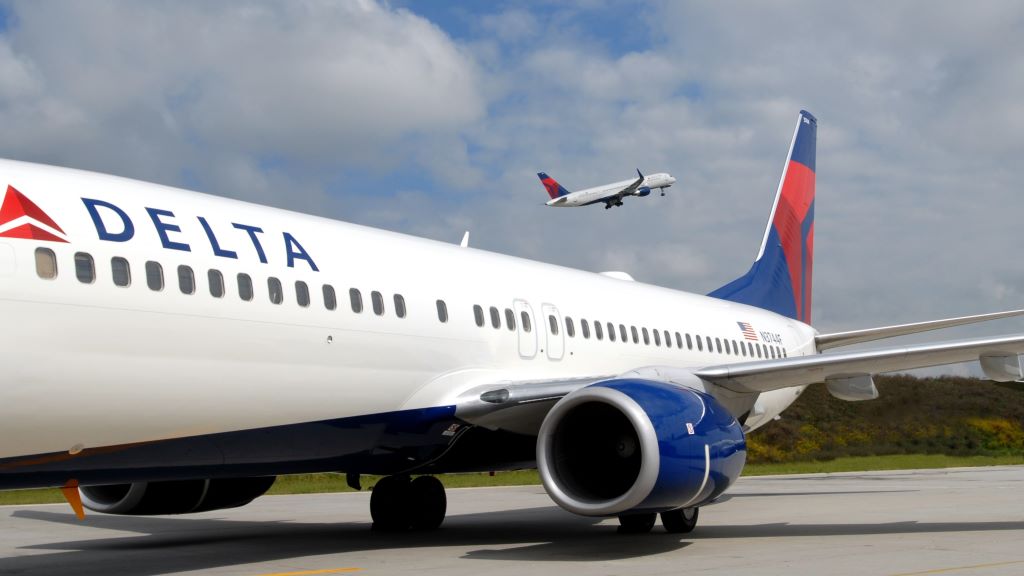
{"x": 158, "y": 88}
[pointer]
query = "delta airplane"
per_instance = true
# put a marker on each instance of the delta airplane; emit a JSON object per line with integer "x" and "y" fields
{"x": 611, "y": 194}
{"x": 167, "y": 352}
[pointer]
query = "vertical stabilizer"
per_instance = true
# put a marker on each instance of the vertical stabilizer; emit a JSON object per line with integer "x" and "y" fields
{"x": 555, "y": 190}
{"x": 780, "y": 278}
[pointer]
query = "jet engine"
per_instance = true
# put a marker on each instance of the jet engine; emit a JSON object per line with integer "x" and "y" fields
{"x": 174, "y": 496}
{"x": 643, "y": 191}
{"x": 633, "y": 445}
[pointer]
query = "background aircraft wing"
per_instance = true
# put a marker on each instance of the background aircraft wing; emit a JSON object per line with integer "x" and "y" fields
{"x": 765, "y": 375}
{"x": 628, "y": 190}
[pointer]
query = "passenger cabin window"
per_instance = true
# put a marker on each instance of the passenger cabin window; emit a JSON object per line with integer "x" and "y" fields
{"x": 442, "y": 311}
{"x": 510, "y": 319}
{"x": 186, "y": 280}
{"x": 46, "y": 263}
{"x": 597, "y": 330}
{"x": 707, "y": 339}
{"x": 570, "y": 330}
{"x": 622, "y": 333}
{"x": 399, "y": 305}
{"x": 154, "y": 276}
{"x": 356, "y": 299}
{"x": 526, "y": 321}
{"x": 689, "y": 343}
{"x": 495, "y": 318}
{"x": 301, "y": 293}
{"x": 647, "y": 337}
{"x": 700, "y": 345}
{"x": 245, "y": 287}
{"x": 275, "y": 290}
{"x": 668, "y": 339}
{"x": 585, "y": 328}
{"x": 657, "y": 337}
{"x": 121, "y": 272}
{"x": 718, "y": 344}
{"x": 611, "y": 332}
{"x": 553, "y": 323}
{"x": 636, "y": 335}
{"x": 216, "y": 281}
{"x": 478, "y": 314}
{"x": 378, "y": 303}
{"x": 330, "y": 298}
{"x": 758, "y": 348}
{"x": 85, "y": 268}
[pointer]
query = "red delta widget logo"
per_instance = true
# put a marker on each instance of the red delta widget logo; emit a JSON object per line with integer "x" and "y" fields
{"x": 21, "y": 218}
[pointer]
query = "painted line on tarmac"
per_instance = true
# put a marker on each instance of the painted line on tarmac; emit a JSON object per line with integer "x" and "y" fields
{"x": 960, "y": 568}
{"x": 311, "y": 572}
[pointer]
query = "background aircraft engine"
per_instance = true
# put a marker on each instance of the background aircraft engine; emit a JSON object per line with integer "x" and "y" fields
{"x": 174, "y": 496}
{"x": 633, "y": 445}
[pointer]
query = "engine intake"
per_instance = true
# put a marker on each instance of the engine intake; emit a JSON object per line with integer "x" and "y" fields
{"x": 633, "y": 445}
{"x": 174, "y": 496}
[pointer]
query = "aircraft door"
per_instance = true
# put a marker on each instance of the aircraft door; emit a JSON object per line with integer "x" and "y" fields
{"x": 552, "y": 326}
{"x": 527, "y": 329}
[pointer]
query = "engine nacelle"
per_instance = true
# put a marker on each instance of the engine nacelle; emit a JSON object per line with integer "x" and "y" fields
{"x": 174, "y": 496}
{"x": 643, "y": 191}
{"x": 632, "y": 445}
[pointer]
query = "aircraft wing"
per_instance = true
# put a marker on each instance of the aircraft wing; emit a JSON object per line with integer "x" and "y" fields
{"x": 766, "y": 375}
{"x": 837, "y": 339}
{"x": 521, "y": 406}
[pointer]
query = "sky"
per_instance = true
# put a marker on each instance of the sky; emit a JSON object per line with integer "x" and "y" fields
{"x": 432, "y": 118}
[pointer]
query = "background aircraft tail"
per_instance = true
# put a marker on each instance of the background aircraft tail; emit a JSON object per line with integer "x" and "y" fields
{"x": 554, "y": 189}
{"x": 780, "y": 278}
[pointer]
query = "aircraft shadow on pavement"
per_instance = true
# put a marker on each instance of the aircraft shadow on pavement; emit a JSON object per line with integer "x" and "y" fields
{"x": 160, "y": 545}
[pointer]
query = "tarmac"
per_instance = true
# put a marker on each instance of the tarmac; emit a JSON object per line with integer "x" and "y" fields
{"x": 955, "y": 521}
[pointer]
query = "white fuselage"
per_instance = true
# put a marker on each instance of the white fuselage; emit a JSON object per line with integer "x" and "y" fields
{"x": 90, "y": 364}
{"x": 599, "y": 193}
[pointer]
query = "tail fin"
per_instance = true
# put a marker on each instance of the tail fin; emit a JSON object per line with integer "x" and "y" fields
{"x": 780, "y": 278}
{"x": 555, "y": 190}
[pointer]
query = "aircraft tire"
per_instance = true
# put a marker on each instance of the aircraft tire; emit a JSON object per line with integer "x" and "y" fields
{"x": 636, "y": 523}
{"x": 428, "y": 503}
{"x": 389, "y": 504}
{"x": 680, "y": 521}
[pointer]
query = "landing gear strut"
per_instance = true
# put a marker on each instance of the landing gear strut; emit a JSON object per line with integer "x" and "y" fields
{"x": 398, "y": 503}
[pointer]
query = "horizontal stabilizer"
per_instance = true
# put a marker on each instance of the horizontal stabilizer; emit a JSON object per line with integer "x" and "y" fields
{"x": 837, "y": 339}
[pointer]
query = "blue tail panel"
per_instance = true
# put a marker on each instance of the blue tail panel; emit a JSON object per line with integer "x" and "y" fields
{"x": 780, "y": 278}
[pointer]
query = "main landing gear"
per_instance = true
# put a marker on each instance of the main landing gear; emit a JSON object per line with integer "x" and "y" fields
{"x": 680, "y": 521}
{"x": 398, "y": 503}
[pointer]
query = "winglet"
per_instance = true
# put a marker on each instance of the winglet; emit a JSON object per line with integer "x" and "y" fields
{"x": 639, "y": 174}
{"x": 71, "y": 494}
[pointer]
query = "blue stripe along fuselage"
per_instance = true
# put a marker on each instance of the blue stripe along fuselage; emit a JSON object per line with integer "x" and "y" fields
{"x": 386, "y": 443}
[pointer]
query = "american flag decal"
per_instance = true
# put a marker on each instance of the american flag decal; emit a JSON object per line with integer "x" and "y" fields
{"x": 748, "y": 331}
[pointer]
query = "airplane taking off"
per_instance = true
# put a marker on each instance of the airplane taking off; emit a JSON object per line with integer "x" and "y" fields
{"x": 167, "y": 352}
{"x": 610, "y": 194}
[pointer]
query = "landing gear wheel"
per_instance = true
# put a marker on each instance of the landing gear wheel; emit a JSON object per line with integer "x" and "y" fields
{"x": 636, "y": 523}
{"x": 389, "y": 504}
{"x": 428, "y": 503}
{"x": 681, "y": 521}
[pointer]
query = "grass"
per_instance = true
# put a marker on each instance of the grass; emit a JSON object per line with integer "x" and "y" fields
{"x": 320, "y": 483}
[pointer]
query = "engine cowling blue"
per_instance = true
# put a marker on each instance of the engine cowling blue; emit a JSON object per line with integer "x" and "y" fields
{"x": 643, "y": 191}
{"x": 684, "y": 460}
